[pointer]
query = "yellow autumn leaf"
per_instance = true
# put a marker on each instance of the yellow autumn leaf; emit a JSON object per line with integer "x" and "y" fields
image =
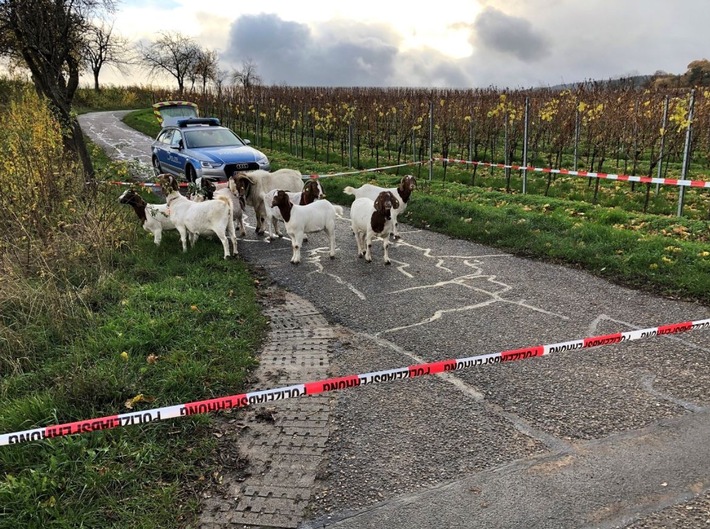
{"x": 135, "y": 400}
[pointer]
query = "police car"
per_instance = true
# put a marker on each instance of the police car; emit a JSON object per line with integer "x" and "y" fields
{"x": 190, "y": 147}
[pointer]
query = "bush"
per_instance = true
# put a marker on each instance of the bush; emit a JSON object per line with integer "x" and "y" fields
{"x": 56, "y": 233}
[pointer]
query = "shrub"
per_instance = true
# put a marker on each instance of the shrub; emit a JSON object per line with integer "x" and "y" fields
{"x": 56, "y": 233}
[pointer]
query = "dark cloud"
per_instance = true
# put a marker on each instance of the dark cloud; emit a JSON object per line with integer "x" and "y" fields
{"x": 335, "y": 53}
{"x": 509, "y": 35}
{"x": 338, "y": 54}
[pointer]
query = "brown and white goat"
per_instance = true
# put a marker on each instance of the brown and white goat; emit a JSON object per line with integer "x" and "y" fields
{"x": 254, "y": 184}
{"x": 154, "y": 217}
{"x": 312, "y": 191}
{"x": 299, "y": 220}
{"x": 373, "y": 218}
{"x": 402, "y": 193}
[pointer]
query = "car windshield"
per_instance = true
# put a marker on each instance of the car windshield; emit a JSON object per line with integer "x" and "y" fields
{"x": 211, "y": 137}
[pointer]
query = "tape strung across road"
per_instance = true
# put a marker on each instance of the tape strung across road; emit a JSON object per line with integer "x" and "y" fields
{"x": 304, "y": 177}
{"x": 588, "y": 174}
{"x": 339, "y": 383}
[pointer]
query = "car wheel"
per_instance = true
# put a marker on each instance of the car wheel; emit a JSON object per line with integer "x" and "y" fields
{"x": 190, "y": 174}
{"x": 156, "y": 166}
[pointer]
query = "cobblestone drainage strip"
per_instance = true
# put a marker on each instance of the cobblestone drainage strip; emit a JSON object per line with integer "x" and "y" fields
{"x": 284, "y": 443}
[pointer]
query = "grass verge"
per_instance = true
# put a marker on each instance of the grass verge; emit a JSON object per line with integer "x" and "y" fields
{"x": 163, "y": 328}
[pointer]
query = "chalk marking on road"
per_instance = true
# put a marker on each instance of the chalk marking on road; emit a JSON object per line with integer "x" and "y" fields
{"x": 438, "y": 315}
{"x": 647, "y": 383}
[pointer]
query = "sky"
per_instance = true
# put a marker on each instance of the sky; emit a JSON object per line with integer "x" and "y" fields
{"x": 443, "y": 44}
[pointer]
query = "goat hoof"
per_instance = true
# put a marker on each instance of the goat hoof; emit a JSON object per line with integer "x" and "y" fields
{"x": 388, "y": 263}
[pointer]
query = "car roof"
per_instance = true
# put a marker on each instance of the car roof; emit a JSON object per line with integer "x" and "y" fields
{"x": 170, "y": 112}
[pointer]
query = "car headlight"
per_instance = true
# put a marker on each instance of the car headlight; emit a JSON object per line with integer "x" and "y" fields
{"x": 210, "y": 165}
{"x": 263, "y": 159}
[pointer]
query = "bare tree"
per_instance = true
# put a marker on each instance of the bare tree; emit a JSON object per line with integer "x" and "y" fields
{"x": 48, "y": 36}
{"x": 103, "y": 47}
{"x": 206, "y": 68}
{"x": 220, "y": 78}
{"x": 247, "y": 76}
{"x": 173, "y": 54}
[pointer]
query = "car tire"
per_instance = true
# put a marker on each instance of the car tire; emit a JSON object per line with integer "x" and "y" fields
{"x": 156, "y": 166}
{"x": 190, "y": 174}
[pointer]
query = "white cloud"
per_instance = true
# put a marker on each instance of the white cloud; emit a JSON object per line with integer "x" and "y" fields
{"x": 454, "y": 43}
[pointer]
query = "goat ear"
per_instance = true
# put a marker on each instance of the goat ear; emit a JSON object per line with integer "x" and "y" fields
{"x": 395, "y": 202}
{"x": 173, "y": 183}
{"x": 378, "y": 202}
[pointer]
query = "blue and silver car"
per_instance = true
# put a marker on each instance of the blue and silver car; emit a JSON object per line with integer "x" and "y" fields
{"x": 192, "y": 147}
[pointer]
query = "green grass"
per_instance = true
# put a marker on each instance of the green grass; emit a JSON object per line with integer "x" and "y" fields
{"x": 143, "y": 121}
{"x": 190, "y": 327}
{"x": 165, "y": 326}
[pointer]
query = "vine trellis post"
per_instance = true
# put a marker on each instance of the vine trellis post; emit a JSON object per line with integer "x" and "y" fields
{"x": 686, "y": 153}
{"x": 351, "y": 134}
{"x": 664, "y": 126}
{"x": 525, "y": 146}
{"x": 576, "y": 137}
{"x": 431, "y": 139}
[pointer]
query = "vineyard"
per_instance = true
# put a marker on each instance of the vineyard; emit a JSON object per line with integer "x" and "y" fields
{"x": 594, "y": 127}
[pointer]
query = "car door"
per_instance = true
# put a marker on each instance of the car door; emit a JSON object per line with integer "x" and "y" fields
{"x": 161, "y": 149}
{"x": 176, "y": 158}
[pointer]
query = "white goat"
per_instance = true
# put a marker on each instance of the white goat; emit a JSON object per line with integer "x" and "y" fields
{"x": 154, "y": 217}
{"x": 370, "y": 219}
{"x": 196, "y": 218}
{"x": 402, "y": 193}
{"x": 210, "y": 190}
{"x": 299, "y": 220}
{"x": 254, "y": 184}
{"x": 312, "y": 191}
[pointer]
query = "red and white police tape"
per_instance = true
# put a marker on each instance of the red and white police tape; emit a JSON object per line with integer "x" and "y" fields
{"x": 305, "y": 176}
{"x": 332, "y": 384}
{"x": 588, "y": 174}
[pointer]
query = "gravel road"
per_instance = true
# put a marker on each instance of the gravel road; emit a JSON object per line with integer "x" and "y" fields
{"x": 615, "y": 436}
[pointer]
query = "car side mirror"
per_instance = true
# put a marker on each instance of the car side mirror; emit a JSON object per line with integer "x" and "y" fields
{"x": 246, "y": 142}
{"x": 180, "y": 146}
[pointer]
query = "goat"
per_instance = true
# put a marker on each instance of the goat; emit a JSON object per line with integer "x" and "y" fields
{"x": 195, "y": 218}
{"x": 299, "y": 220}
{"x": 312, "y": 191}
{"x": 370, "y": 219}
{"x": 154, "y": 217}
{"x": 402, "y": 193}
{"x": 254, "y": 184}
{"x": 209, "y": 190}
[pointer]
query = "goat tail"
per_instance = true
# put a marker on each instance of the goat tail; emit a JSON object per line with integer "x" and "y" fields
{"x": 227, "y": 201}
{"x": 349, "y": 190}
{"x": 339, "y": 211}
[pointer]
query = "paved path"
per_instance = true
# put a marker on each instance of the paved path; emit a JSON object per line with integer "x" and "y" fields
{"x": 610, "y": 437}
{"x": 118, "y": 140}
